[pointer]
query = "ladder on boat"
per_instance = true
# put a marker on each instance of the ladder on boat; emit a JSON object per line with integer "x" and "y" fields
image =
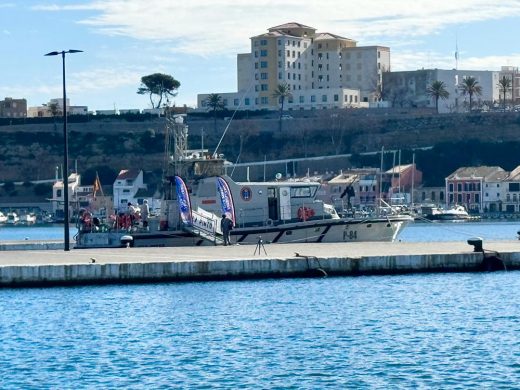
{"x": 206, "y": 226}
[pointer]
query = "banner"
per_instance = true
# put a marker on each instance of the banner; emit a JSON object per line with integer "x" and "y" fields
{"x": 183, "y": 198}
{"x": 226, "y": 199}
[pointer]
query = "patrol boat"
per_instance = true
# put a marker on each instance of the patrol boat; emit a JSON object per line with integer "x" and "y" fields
{"x": 197, "y": 192}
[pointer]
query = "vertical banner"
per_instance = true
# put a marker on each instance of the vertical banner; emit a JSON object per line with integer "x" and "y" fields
{"x": 183, "y": 198}
{"x": 226, "y": 199}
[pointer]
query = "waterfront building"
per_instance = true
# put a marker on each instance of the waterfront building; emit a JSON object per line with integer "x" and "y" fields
{"x": 80, "y": 197}
{"x": 429, "y": 195}
{"x": 503, "y": 194}
{"x": 322, "y": 70}
{"x": 475, "y": 187}
{"x": 13, "y": 108}
{"x": 403, "y": 179}
{"x": 130, "y": 186}
{"x": 408, "y": 89}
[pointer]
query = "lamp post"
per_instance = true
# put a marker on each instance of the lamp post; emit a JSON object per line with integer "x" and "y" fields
{"x": 65, "y": 151}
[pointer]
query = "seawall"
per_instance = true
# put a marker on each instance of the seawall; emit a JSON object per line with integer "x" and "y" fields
{"x": 131, "y": 265}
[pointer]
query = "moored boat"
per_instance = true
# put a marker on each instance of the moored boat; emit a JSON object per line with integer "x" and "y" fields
{"x": 456, "y": 213}
{"x": 12, "y": 218}
{"x": 197, "y": 193}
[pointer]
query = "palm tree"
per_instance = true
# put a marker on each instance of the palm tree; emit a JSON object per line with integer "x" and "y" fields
{"x": 437, "y": 90}
{"x": 469, "y": 86}
{"x": 282, "y": 92}
{"x": 505, "y": 85}
{"x": 214, "y": 101}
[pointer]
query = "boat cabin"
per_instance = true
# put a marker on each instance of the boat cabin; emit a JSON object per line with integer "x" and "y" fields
{"x": 264, "y": 203}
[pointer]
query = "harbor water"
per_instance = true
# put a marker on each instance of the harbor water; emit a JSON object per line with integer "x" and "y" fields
{"x": 414, "y": 232}
{"x": 407, "y": 331}
{"x": 401, "y": 331}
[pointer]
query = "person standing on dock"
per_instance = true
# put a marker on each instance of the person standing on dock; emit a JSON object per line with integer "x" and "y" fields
{"x": 145, "y": 210}
{"x": 226, "y": 225}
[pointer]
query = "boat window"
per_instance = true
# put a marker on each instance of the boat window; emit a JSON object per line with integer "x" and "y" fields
{"x": 303, "y": 192}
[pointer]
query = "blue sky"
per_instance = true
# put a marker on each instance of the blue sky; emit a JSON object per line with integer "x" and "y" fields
{"x": 197, "y": 41}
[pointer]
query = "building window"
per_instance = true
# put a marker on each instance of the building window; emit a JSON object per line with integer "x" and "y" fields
{"x": 279, "y": 64}
{"x": 263, "y": 53}
{"x": 279, "y": 53}
{"x": 264, "y": 87}
{"x": 313, "y": 98}
{"x": 263, "y": 42}
{"x": 279, "y": 42}
{"x": 256, "y": 65}
{"x": 280, "y": 76}
{"x": 324, "y": 98}
{"x": 264, "y": 100}
{"x": 288, "y": 53}
{"x": 246, "y": 101}
{"x": 336, "y": 98}
{"x": 459, "y": 187}
{"x": 319, "y": 56}
{"x": 263, "y": 76}
{"x": 263, "y": 64}
{"x": 302, "y": 99}
{"x": 235, "y": 102}
{"x": 256, "y": 88}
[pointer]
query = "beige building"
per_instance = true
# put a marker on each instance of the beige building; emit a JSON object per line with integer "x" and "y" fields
{"x": 55, "y": 108}
{"x": 513, "y": 93}
{"x": 13, "y": 108}
{"x": 322, "y": 70}
{"x": 409, "y": 89}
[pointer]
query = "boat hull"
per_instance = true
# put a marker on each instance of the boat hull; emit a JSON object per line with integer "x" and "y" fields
{"x": 331, "y": 230}
{"x": 342, "y": 230}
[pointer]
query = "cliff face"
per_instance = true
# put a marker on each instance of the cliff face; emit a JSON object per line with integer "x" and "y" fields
{"x": 32, "y": 152}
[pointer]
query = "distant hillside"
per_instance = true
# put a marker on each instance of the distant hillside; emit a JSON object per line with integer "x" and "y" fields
{"x": 33, "y": 151}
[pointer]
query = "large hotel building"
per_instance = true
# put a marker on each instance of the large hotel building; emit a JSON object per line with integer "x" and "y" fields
{"x": 323, "y": 70}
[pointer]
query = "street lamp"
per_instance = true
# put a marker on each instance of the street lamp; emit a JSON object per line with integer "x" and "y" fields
{"x": 65, "y": 151}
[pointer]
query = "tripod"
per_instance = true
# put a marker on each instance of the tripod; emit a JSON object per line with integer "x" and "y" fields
{"x": 260, "y": 245}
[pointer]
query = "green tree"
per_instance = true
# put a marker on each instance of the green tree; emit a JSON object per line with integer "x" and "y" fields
{"x": 282, "y": 92}
{"x": 215, "y": 103}
{"x": 469, "y": 86}
{"x": 54, "y": 109}
{"x": 437, "y": 90}
{"x": 159, "y": 84}
{"x": 505, "y": 85}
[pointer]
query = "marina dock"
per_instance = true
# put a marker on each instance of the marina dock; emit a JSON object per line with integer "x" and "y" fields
{"x": 137, "y": 265}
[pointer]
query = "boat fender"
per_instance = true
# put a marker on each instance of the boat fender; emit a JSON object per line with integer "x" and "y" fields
{"x": 269, "y": 222}
{"x": 127, "y": 241}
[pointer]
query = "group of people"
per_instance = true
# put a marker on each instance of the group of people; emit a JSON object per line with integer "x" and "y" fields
{"x": 137, "y": 214}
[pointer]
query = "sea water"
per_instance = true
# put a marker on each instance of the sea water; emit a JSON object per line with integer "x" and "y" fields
{"x": 433, "y": 331}
{"x": 414, "y": 232}
{"x": 382, "y": 332}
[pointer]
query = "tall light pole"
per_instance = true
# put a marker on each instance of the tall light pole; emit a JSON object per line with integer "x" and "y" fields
{"x": 65, "y": 151}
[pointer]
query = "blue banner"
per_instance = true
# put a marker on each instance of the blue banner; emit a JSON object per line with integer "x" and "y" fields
{"x": 183, "y": 199}
{"x": 226, "y": 199}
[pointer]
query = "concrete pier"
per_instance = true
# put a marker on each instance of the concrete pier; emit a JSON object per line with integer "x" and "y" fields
{"x": 128, "y": 265}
